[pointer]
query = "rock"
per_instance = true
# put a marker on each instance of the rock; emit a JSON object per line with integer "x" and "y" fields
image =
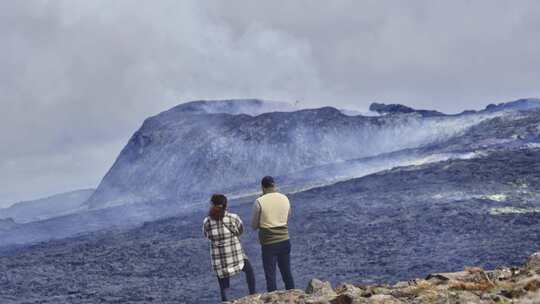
{"x": 531, "y": 283}
{"x": 416, "y": 289}
{"x": 317, "y": 300}
{"x": 383, "y": 299}
{"x": 447, "y": 276}
{"x": 346, "y": 299}
{"x": 437, "y": 279}
{"x": 280, "y": 296}
{"x": 401, "y": 284}
{"x": 348, "y": 293}
{"x": 469, "y": 297}
{"x": 351, "y": 291}
{"x": 533, "y": 263}
{"x": 500, "y": 274}
{"x": 513, "y": 292}
{"x": 382, "y": 108}
{"x": 530, "y": 298}
{"x": 318, "y": 288}
{"x": 290, "y": 296}
{"x": 252, "y": 299}
{"x": 383, "y": 289}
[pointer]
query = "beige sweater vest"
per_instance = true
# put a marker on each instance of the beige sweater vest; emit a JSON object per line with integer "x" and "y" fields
{"x": 274, "y": 210}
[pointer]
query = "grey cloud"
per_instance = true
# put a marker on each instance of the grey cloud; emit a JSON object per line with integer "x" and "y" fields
{"x": 447, "y": 55}
{"x": 78, "y": 77}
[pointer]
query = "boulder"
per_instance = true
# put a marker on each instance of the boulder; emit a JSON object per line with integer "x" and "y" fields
{"x": 530, "y": 283}
{"x": 351, "y": 291}
{"x": 533, "y": 263}
{"x": 280, "y": 296}
{"x": 383, "y": 299}
{"x": 318, "y": 288}
{"x": 500, "y": 274}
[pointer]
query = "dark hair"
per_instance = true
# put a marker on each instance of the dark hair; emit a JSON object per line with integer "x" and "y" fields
{"x": 268, "y": 182}
{"x": 219, "y": 205}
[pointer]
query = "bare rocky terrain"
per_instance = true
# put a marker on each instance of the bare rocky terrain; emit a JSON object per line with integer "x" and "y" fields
{"x": 473, "y": 285}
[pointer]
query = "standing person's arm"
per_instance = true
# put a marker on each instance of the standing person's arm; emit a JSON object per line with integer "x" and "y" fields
{"x": 205, "y": 228}
{"x": 290, "y": 213}
{"x": 239, "y": 227}
{"x": 234, "y": 224}
{"x": 290, "y": 209}
{"x": 256, "y": 215}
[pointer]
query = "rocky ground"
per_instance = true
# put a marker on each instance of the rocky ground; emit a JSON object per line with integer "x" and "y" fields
{"x": 473, "y": 285}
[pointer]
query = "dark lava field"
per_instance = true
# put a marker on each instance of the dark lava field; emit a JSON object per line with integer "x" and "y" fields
{"x": 389, "y": 226}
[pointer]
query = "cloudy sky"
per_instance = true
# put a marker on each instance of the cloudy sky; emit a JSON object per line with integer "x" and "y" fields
{"x": 78, "y": 77}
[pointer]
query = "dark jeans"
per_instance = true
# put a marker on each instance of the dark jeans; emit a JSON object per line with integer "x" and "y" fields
{"x": 224, "y": 283}
{"x": 280, "y": 253}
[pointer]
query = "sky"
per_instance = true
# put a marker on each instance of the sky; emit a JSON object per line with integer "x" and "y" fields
{"x": 78, "y": 77}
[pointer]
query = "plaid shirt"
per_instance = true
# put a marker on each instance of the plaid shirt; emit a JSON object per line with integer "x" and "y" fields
{"x": 225, "y": 249}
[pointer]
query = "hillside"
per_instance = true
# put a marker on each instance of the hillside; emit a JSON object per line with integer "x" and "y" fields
{"x": 49, "y": 207}
{"x": 505, "y": 131}
{"x": 7, "y": 223}
{"x": 194, "y": 149}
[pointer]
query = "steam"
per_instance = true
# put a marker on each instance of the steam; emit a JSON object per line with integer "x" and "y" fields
{"x": 77, "y": 77}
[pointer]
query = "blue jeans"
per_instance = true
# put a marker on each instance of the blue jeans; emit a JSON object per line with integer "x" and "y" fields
{"x": 279, "y": 253}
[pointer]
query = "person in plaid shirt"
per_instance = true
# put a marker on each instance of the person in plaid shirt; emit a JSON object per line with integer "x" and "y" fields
{"x": 223, "y": 228}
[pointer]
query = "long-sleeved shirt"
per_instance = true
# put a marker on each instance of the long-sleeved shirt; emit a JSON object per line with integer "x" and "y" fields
{"x": 225, "y": 249}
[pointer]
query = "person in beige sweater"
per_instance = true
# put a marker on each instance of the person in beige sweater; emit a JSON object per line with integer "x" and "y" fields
{"x": 270, "y": 216}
